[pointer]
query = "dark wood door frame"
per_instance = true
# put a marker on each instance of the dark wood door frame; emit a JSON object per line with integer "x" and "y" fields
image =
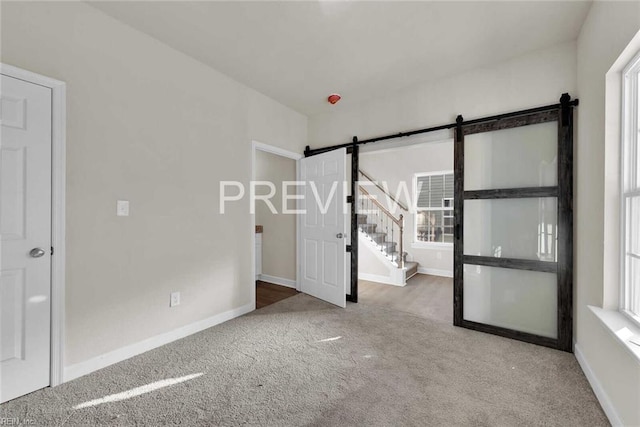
{"x": 353, "y": 200}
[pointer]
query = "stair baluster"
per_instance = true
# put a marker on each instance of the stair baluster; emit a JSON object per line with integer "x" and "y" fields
{"x": 387, "y": 222}
{"x": 396, "y": 256}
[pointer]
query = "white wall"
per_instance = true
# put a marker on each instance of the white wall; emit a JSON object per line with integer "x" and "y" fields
{"x": 606, "y": 32}
{"x": 394, "y": 166}
{"x": 279, "y": 233}
{"x": 153, "y": 126}
{"x": 371, "y": 265}
{"x": 535, "y": 79}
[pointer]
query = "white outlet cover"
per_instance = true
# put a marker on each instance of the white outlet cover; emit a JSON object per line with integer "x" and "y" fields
{"x": 122, "y": 208}
{"x": 175, "y": 299}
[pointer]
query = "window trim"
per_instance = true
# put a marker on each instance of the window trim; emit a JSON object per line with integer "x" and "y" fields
{"x": 419, "y": 244}
{"x": 629, "y": 141}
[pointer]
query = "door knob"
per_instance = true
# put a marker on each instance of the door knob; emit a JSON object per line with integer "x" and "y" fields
{"x": 36, "y": 252}
{"x": 339, "y": 236}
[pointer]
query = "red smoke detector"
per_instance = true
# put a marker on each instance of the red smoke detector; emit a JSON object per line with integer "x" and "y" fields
{"x": 333, "y": 98}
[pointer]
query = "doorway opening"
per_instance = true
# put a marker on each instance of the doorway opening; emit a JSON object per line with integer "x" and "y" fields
{"x": 405, "y": 213}
{"x": 275, "y": 222}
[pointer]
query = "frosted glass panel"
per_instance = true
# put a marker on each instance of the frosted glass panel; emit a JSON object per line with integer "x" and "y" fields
{"x": 511, "y": 158}
{"x": 511, "y": 228}
{"x": 522, "y": 300}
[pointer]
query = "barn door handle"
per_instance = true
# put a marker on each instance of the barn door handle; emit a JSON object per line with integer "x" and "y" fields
{"x": 339, "y": 235}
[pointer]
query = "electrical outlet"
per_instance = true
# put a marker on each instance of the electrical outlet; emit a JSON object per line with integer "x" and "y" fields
{"x": 175, "y": 299}
{"x": 122, "y": 208}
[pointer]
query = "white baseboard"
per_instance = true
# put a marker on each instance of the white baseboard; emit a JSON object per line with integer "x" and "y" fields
{"x": 435, "y": 272}
{"x": 278, "y": 281}
{"x": 602, "y": 396}
{"x": 378, "y": 279}
{"x": 83, "y": 368}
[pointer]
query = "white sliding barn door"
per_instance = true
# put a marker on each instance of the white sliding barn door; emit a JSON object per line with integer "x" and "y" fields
{"x": 25, "y": 234}
{"x": 323, "y": 227}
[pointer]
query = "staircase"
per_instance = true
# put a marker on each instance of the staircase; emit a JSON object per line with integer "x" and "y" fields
{"x": 388, "y": 248}
{"x": 384, "y": 232}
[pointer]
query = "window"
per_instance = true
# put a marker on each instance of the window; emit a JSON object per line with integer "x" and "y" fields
{"x": 434, "y": 207}
{"x": 630, "y": 200}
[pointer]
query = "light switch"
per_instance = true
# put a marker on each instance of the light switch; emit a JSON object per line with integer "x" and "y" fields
{"x": 122, "y": 208}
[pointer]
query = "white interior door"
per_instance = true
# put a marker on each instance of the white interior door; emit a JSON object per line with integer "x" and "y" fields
{"x": 25, "y": 237}
{"x": 323, "y": 227}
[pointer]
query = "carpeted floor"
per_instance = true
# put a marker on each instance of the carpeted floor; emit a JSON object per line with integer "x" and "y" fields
{"x": 423, "y": 295}
{"x": 303, "y": 362}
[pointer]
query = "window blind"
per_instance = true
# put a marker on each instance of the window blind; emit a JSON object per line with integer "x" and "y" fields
{"x": 434, "y": 191}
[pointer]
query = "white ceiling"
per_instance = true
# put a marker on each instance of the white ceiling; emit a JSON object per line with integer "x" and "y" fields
{"x": 300, "y": 52}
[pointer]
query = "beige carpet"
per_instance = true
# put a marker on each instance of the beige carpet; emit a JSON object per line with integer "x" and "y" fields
{"x": 303, "y": 362}
{"x": 423, "y": 295}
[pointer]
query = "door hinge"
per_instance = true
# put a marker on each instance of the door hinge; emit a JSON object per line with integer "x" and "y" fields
{"x": 349, "y": 199}
{"x": 51, "y": 250}
{"x": 348, "y": 248}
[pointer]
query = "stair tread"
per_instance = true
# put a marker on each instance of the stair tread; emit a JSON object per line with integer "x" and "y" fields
{"x": 388, "y": 247}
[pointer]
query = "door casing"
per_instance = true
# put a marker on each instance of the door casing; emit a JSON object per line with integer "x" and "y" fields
{"x": 58, "y": 179}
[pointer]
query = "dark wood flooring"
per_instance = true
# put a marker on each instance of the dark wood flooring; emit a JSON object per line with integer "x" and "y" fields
{"x": 268, "y": 293}
{"x": 423, "y": 295}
